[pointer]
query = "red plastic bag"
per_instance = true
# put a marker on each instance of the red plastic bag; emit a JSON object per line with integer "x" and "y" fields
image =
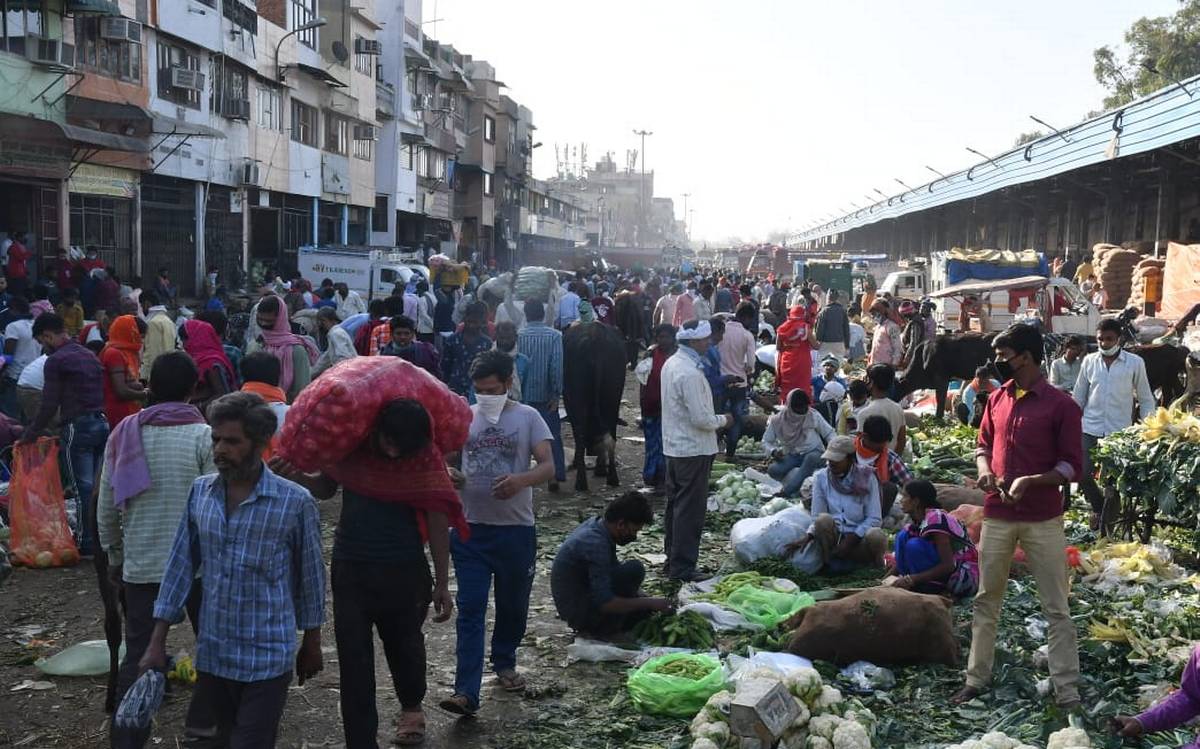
{"x": 40, "y": 534}
{"x": 332, "y": 416}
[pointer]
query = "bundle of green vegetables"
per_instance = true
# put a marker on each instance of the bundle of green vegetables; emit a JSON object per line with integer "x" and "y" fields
{"x": 684, "y": 630}
{"x": 1155, "y": 465}
{"x": 945, "y": 452}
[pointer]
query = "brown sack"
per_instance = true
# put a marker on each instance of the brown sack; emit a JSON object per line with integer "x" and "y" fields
{"x": 953, "y": 496}
{"x": 880, "y": 625}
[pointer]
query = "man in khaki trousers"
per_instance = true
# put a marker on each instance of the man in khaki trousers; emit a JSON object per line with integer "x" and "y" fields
{"x": 1030, "y": 444}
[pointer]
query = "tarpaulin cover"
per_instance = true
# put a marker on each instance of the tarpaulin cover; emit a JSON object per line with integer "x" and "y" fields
{"x": 1181, "y": 280}
{"x": 993, "y": 265}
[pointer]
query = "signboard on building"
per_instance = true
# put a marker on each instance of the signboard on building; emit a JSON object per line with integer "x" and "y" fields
{"x": 94, "y": 179}
{"x": 29, "y": 158}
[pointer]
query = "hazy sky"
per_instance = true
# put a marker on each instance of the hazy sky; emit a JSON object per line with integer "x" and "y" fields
{"x": 772, "y": 114}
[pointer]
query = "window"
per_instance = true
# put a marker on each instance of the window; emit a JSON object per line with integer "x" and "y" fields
{"x": 304, "y": 11}
{"x": 268, "y": 108}
{"x": 304, "y": 123}
{"x": 120, "y": 60}
{"x": 364, "y": 149}
{"x": 379, "y": 217}
{"x": 243, "y": 15}
{"x": 171, "y": 56}
{"x": 422, "y": 161}
{"x": 337, "y": 135}
{"x": 364, "y": 63}
{"x": 229, "y": 84}
{"x": 489, "y": 129}
{"x": 17, "y": 20}
{"x": 488, "y": 187}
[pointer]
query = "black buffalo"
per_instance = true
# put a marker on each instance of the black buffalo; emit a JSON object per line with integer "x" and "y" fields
{"x": 593, "y": 382}
{"x": 947, "y": 357}
{"x": 627, "y": 314}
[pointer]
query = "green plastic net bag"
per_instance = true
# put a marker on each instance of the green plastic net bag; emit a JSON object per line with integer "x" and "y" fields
{"x": 679, "y": 695}
{"x": 767, "y": 608}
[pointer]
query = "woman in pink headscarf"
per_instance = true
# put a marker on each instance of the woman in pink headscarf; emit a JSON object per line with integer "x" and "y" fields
{"x": 217, "y": 377}
{"x": 296, "y": 354}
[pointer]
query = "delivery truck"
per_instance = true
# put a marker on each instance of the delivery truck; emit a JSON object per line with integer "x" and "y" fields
{"x": 371, "y": 271}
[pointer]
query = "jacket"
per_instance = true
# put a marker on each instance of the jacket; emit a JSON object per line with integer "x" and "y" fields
{"x": 833, "y": 324}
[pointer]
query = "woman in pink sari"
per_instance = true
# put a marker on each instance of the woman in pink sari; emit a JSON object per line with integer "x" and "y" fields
{"x": 296, "y": 354}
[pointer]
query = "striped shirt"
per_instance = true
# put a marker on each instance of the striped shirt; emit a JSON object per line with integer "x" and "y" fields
{"x": 262, "y": 573}
{"x": 543, "y": 345}
{"x": 139, "y": 537}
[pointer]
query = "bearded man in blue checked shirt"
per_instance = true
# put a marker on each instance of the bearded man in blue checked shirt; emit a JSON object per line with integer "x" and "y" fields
{"x": 255, "y": 538}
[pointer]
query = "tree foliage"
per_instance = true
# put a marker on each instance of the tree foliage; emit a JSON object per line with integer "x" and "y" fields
{"x": 1156, "y": 52}
{"x": 1028, "y": 137}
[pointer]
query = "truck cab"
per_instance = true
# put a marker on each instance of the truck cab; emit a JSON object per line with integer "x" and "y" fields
{"x": 371, "y": 271}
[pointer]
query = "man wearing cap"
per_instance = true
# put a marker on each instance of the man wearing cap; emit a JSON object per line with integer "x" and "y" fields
{"x": 689, "y": 431}
{"x": 833, "y": 328}
{"x": 845, "y": 531}
{"x": 829, "y": 373}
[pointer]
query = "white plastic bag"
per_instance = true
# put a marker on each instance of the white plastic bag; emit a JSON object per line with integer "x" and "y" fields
{"x": 865, "y": 677}
{"x": 596, "y": 651}
{"x": 753, "y": 539}
{"x": 782, "y": 663}
{"x": 722, "y": 619}
{"x": 89, "y": 658}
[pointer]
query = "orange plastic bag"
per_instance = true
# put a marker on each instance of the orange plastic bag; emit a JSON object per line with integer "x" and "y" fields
{"x": 40, "y": 534}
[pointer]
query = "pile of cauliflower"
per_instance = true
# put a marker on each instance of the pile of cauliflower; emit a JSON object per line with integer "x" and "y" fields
{"x": 1067, "y": 738}
{"x": 826, "y": 720}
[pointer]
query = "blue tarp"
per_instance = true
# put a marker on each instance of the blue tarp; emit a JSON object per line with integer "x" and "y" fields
{"x": 958, "y": 271}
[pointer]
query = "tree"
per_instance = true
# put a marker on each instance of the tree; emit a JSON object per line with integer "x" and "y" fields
{"x": 1029, "y": 137}
{"x": 1156, "y": 53}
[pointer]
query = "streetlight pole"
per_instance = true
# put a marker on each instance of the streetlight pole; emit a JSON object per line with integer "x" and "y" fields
{"x": 316, "y": 23}
{"x": 687, "y": 222}
{"x": 642, "y": 191}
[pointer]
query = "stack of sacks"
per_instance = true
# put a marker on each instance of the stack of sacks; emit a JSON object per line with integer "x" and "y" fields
{"x": 1149, "y": 269}
{"x": 1114, "y": 270}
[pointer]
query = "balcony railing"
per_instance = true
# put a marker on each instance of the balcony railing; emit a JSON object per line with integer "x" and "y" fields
{"x": 385, "y": 99}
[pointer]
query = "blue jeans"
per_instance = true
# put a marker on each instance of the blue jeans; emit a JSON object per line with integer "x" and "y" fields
{"x": 555, "y": 423}
{"x": 736, "y": 402}
{"x": 808, "y": 463}
{"x": 505, "y": 554}
{"x": 654, "y": 470}
{"x": 83, "y": 440}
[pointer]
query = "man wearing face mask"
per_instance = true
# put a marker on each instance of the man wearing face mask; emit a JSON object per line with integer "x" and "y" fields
{"x": 1029, "y": 446}
{"x": 498, "y": 498}
{"x": 795, "y": 438}
{"x": 594, "y": 594}
{"x": 1109, "y": 382}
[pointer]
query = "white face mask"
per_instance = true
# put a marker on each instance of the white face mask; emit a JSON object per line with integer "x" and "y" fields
{"x": 491, "y": 406}
{"x": 1111, "y": 351}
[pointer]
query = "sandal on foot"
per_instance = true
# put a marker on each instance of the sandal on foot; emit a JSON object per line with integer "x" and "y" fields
{"x": 459, "y": 704}
{"x": 511, "y": 681}
{"x": 410, "y": 728}
{"x": 966, "y": 694}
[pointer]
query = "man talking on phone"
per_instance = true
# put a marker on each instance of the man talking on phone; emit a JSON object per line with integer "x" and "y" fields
{"x": 1030, "y": 444}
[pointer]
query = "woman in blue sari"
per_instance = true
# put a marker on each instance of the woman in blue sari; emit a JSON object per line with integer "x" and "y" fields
{"x": 933, "y": 553}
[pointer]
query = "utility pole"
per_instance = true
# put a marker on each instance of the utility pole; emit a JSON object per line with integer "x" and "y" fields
{"x": 687, "y": 195}
{"x": 642, "y": 192}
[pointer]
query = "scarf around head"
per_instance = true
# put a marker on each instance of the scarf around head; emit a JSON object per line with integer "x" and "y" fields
{"x": 882, "y": 470}
{"x": 788, "y": 425}
{"x": 125, "y": 338}
{"x": 279, "y": 340}
{"x": 586, "y": 312}
{"x": 125, "y": 462}
{"x": 203, "y": 345}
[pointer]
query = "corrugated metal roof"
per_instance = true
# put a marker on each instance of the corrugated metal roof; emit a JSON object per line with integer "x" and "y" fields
{"x": 1160, "y": 119}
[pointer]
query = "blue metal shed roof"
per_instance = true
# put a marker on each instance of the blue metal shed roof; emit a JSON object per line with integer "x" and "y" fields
{"x": 1160, "y": 119}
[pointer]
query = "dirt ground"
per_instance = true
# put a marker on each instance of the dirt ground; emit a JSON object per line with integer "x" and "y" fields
{"x": 580, "y": 705}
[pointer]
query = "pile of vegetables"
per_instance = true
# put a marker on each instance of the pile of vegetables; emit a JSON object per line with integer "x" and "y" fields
{"x": 945, "y": 452}
{"x": 765, "y": 382}
{"x": 684, "y": 630}
{"x": 729, "y": 583}
{"x": 750, "y": 448}
{"x": 1067, "y": 738}
{"x": 1155, "y": 465}
{"x": 826, "y": 720}
{"x": 733, "y": 491}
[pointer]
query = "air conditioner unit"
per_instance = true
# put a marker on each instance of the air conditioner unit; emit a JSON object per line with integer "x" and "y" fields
{"x": 365, "y": 132}
{"x": 250, "y": 175}
{"x": 43, "y": 51}
{"x": 121, "y": 30}
{"x": 368, "y": 46}
{"x": 189, "y": 79}
{"x": 236, "y": 109}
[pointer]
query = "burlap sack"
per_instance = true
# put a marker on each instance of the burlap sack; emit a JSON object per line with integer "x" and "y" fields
{"x": 953, "y": 496}
{"x": 880, "y": 625}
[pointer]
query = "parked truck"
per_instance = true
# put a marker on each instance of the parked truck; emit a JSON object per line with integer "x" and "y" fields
{"x": 371, "y": 271}
{"x": 830, "y": 274}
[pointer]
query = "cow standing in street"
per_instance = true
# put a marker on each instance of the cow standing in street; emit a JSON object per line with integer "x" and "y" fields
{"x": 593, "y": 382}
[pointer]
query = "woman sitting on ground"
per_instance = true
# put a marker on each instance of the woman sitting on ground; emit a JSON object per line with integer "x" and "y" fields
{"x": 934, "y": 554}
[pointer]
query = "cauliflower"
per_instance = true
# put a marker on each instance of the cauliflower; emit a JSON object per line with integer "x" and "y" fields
{"x": 829, "y": 698}
{"x": 794, "y": 738}
{"x": 804, "y": 683}
{"x": 1069, "y": 738}
{"x": 997, "y": 740}
{"x": 802, "y": 719}
{"x": 823, "y": 726}
{"x": 851, "y": 735}
{"x": 718, "y": 733}
{"x": 705, "y": 744}
{"x": 817, "y": 742}
{"x": 717, "y": 707}
{"x": 863, "y": 716}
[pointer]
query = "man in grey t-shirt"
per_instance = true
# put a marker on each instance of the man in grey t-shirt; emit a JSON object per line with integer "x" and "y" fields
{"x": 497, "y": 495}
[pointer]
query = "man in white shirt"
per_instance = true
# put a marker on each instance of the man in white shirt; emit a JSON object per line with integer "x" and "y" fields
{"x": 664, "y": 309}
{"x": 880, "y": 378}
{"x": 349, "y": 303}
{"x": 689, "y": 429}
{"x": 339, "y": 346}
{"x": 21, "y": 349}
{"x": 737, "y": 360}
{"x": 1109, "y": 382}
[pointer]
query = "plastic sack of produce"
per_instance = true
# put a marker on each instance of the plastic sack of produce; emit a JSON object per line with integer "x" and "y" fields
{"x": 753, "y": 539}
{"x": 534, "y": 282}
{"x": 676, "y": 685}
{"x": 142, "y": 701}
{"x": 326, "y": 430}
{"x": 41, "y": 536}
{"x": 767, "y": 608}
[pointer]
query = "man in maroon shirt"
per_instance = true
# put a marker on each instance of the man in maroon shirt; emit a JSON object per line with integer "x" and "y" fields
{"x": 1030, "y": 443}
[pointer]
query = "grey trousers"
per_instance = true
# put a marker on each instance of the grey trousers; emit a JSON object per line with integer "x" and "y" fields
{"x": 687, "y": 502}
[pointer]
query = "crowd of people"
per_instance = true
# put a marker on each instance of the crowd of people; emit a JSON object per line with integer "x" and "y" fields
{"x": 175, "y": 418}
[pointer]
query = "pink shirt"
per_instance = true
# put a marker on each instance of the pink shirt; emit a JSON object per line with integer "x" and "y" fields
{"x": 737, "y": 350}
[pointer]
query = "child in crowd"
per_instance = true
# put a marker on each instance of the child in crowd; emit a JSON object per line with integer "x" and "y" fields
{"x": 71, "y": 311}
